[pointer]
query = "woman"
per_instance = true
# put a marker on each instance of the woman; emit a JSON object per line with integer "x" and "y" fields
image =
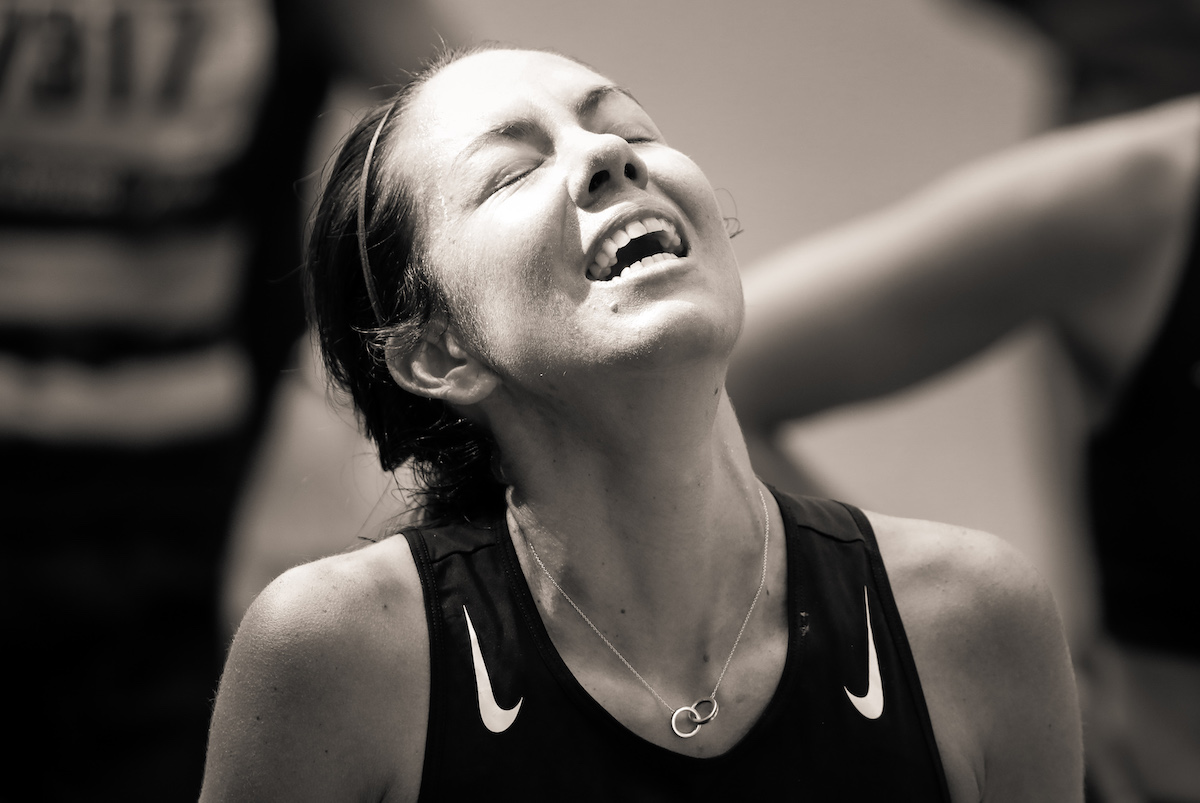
{"x": 532, "y": 300}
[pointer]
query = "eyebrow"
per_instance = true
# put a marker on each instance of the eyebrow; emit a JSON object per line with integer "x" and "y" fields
{"x": 510, "y": 129}
{"x": 588, "y": 103}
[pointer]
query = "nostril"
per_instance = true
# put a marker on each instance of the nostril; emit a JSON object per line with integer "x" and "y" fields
{"x": 597, "y": 180}
{"x": 630, "y": 171}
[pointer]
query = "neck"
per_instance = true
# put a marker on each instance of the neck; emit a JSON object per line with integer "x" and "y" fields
{"x": 640, "y": 498}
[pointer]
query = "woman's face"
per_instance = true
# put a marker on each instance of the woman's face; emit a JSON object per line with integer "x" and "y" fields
{"x": 565, "y": 232}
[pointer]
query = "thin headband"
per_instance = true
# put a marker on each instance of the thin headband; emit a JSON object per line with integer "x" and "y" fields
{"x": 376, "y": 307}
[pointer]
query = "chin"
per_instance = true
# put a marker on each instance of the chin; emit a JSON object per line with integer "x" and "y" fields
{"x": 690, "y": 336}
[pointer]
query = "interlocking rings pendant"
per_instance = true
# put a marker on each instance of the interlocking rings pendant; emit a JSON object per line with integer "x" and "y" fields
{"x": 694, "y": 716}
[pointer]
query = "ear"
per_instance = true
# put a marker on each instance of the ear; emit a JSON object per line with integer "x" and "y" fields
{"x": 441, "y": 368}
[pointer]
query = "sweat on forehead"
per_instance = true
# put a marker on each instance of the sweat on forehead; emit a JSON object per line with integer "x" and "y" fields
{"x": 488, "y": 86}
{"x": 507, "y": 68}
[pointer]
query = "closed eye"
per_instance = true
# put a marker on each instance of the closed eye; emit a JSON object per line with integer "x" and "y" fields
{"x": 514, "y": 175}
{"x": 634, "y": 135}
{"x": 512, "y": 178}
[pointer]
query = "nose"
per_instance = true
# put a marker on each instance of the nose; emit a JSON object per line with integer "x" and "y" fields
{"x": 608, "y": 163}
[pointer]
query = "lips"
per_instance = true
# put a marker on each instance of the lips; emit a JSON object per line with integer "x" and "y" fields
{"x": 641, "y": 242}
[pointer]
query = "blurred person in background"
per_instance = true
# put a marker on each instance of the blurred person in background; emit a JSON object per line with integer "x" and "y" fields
{"x": 149, "y": 240}
{"x": 1092, "y": 231}
{"x": 1114, "y": 55}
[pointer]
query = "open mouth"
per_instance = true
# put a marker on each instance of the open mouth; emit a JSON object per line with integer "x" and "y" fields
{"x": 640, "y": 243}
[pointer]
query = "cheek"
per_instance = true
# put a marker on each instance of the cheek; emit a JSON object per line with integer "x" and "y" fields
{"x": 687, "y": 184}
{"x": 499, "y": 276}
{"x": 522, "y": 245}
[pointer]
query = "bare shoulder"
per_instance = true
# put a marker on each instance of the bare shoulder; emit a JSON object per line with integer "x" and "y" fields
{"x": 325, "y": 689}
{"x": 992, "y": 657}
{"x": 967, "y": 597}
{"x": 944, "y": 570}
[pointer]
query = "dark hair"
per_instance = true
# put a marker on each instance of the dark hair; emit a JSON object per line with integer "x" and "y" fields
{"x": 451, "y": 457}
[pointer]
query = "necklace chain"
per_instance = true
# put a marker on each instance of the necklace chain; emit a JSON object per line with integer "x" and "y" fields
{"x": 691, "y": 711}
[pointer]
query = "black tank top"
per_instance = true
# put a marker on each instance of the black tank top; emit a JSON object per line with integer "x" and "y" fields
{"x": 1143, "y": 476}
{"x": 547, "y": 739}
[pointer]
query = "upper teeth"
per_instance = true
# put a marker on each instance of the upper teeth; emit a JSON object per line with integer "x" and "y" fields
{"x": 606, "y": 257}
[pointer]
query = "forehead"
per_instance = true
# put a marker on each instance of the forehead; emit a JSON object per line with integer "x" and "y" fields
{"x": 488, "y": 88}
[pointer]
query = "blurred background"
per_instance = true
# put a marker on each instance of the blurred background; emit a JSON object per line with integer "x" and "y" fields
{"x": 803, "y": 114}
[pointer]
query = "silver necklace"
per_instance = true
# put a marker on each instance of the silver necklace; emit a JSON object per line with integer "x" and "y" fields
{"x": 692, "y": 712}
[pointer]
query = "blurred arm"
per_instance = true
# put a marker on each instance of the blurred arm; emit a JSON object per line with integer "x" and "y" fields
{"x": 1048, "y": 229}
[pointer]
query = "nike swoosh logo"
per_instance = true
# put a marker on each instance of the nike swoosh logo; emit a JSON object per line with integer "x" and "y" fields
{"x": 495, "y": 718}
{"x": 870, "y": 705}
